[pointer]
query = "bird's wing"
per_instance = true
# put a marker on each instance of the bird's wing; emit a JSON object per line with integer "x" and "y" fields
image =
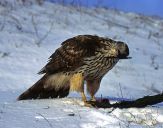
{"x": 70, "y": 55}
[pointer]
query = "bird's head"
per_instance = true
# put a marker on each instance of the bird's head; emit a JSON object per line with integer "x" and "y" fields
{"x": 115, "y": 49}
{"x": 123, "y": 50}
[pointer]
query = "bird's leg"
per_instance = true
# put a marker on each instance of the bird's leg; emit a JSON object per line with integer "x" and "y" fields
{"x": 92, "y": 88}
{"x": 77, "y": 84}
{"x": 84, "y": 99}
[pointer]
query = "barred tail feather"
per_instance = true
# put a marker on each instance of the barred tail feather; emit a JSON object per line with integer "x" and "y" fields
{"x": 49, "y": 86}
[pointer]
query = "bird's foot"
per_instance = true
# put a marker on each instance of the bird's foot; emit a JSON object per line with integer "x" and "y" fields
{"x": 93, "y": 99}
{"x": 102, "y": 103}
{"x": 90, "y": 104}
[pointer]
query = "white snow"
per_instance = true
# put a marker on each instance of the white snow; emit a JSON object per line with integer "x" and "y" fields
{"x": 30, "y": 33}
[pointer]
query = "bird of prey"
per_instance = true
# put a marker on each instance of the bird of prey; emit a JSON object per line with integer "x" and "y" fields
{"x": 81, "y": 58}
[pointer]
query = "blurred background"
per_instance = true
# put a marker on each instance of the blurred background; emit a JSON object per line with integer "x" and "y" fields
{"x": 34, "y": 29}
{"x": 145, "y": 7}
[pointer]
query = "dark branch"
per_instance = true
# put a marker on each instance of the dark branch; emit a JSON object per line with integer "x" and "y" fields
{"x": 139, "y": 103}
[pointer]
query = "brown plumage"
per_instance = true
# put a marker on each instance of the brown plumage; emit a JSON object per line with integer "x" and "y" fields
{"x": 81, "y": 58}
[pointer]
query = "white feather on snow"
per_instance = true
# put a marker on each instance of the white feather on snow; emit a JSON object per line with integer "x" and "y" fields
{"x": 30, "y": 34}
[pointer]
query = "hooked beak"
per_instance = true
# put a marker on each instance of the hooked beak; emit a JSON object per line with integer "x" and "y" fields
{"x": 123, "y": 56}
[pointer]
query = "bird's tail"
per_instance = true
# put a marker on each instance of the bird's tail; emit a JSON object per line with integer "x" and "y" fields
{"x": 49, "y": 86}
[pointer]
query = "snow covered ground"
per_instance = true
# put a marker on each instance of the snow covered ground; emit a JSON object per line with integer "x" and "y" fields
{"x": 29, "y": 34}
